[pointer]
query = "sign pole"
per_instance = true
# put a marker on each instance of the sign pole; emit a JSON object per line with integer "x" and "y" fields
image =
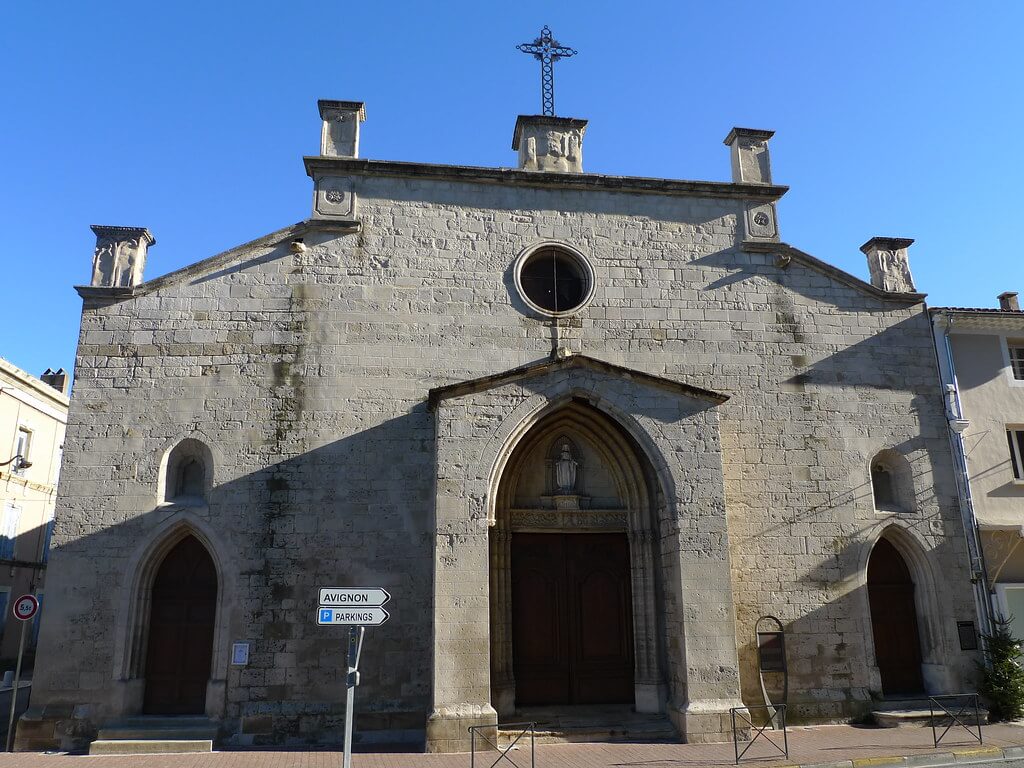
{"x": 355, "y": 647}
{"x": 14, "y": 690}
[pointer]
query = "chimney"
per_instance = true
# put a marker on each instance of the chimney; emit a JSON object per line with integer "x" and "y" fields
{"x": 1008, "y": 302}
{"x": 57, "y": 379}
{"x": 120, "y": 256}
{"x": 339, "y": 136}
{"x": 889, "y": 264}
{"x": 748, "y": 149}
{"x": 548, "y": 143}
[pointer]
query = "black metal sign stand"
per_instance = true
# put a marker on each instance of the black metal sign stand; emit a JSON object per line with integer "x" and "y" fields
{"x": 355, "y": 648}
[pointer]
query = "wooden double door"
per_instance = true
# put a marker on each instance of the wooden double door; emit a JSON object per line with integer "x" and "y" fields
{"x": 572, "y": 624}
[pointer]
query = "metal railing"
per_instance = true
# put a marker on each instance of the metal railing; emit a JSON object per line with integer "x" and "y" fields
{"x": 964, "y": 704}
{"x": 525, "y": 728}
{"x": 774, "y": 712}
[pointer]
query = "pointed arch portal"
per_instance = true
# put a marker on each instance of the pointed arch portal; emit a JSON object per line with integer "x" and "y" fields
{"x": 179, "y": 649}
{"x": 894, "y": 621}
{"x": 572, "y": 568}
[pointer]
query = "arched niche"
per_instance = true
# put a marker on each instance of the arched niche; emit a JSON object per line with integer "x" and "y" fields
{"x": 186, "y": 474}
{"x": 892, "y": 482}
{"x": 612, "y": 494}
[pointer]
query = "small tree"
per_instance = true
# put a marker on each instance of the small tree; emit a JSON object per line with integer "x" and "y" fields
{"x": 1003, "y": 679}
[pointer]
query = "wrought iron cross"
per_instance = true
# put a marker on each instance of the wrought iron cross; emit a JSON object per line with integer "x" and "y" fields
{"x": 547, "y": 51}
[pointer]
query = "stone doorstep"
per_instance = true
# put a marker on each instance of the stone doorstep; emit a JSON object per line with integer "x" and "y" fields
{"x": 155, "y": 735}
{"x": 922, "y": 718}
{"x": 644, "y": 729}
{"x": 149, "y": 746}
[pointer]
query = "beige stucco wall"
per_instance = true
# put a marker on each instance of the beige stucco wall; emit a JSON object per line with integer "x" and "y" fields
{"x": 991, "y": 400}
{"x": 26, "y": 402}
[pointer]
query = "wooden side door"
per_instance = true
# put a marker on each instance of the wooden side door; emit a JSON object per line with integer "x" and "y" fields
{"x": 181, "y": 626}
{"x": 894, "y": 622}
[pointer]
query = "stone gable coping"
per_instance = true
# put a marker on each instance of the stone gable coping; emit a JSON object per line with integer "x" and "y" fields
{"x": 787, "y": 252}
{"x": 550, "y": 365}
{"x": 514, "y": 177}
{"x": 101, "y": 295}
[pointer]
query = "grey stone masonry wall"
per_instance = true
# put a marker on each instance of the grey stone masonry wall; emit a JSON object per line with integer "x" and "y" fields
{"x": 306, "y": 375}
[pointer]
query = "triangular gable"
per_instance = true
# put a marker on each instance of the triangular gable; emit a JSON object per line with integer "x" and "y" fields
{"x": 554, "y": 364}
{"x": 786, "y": 253}
{"x": 219, "y": 261}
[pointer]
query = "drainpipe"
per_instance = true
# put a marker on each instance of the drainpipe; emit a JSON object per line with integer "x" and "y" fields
{"x": 954, "y": 414}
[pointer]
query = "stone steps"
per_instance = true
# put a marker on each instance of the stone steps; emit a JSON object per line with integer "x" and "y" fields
{"x": 152, "y": 735}
{"x": 574, "y": 730}
{"x": 149, "y": 746}
{"x": 917, "y": 713}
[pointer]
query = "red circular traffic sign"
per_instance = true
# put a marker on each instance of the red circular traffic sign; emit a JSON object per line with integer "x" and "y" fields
{"x": 25, "y": 607}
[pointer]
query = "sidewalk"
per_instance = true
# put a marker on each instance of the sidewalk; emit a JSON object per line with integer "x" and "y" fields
{"x": 835, "y": 745}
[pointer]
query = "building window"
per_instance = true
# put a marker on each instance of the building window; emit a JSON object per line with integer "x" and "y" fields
{"x": 1016, "y": 348}
{"x": 9, "y": 531}
{"x": 1015, "y": 438}
{"x": 22, "y": 447}
{"x": 554, "y": 279}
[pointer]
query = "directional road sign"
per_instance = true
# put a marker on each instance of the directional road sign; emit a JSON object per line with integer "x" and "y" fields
{"x": 350, "y": 597}
{"x": 366, "y": 617}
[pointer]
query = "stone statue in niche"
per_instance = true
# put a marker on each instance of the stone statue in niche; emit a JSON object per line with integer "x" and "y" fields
{"x": 895, "y": 271}
{"x": 118, "y": 261}
{"x": 565, "y": 470}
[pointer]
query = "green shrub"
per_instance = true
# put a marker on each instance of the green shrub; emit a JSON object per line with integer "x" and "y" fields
{"x": 1002, "y": 683}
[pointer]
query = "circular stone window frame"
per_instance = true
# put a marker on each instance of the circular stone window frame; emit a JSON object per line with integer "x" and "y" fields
{"x": 577, "y": 256}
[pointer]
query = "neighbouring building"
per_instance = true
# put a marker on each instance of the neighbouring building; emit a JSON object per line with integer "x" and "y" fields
{"x": 587, "y": 430}
{"x": 33, "y": 417}
{"x": 981, "y": 359}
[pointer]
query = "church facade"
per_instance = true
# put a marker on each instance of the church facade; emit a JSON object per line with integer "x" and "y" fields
{"x": 586, "y": 430}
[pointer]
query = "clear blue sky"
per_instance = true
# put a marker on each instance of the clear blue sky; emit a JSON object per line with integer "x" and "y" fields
{"x": 892, "y": 118}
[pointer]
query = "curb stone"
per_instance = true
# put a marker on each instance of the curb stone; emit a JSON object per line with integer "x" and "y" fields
{"x": 935, "y": 759}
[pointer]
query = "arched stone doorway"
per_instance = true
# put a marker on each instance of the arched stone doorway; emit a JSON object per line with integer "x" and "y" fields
{"x": 573, "y": 588}
{"x": 894, "y": 621}
{"x": 179, "y": 650}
